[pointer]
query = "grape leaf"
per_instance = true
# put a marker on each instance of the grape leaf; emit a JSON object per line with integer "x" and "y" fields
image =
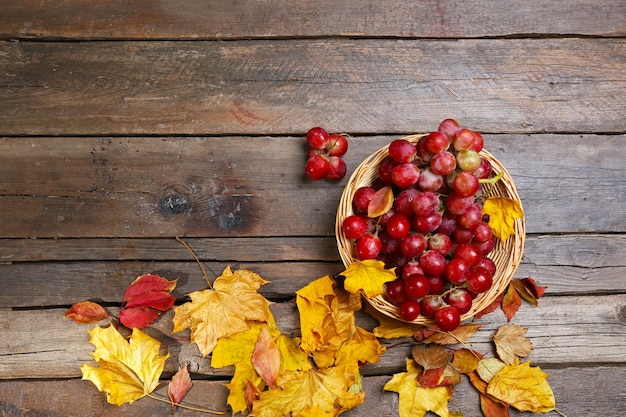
{"x": 523, "y": 387}
{"x": 502, "y": 212}
{"x": 144, "y": 300}
{"x": 368, "y": 276}
{"x": 415, "y": 400}
{"x": 381, "y": 202}
{"x": 179, "y": 386}
{"x": 86, "y": 312}
{"x": 127, "y": 371}
{"x": 223, "y": 310}
{"x": 511, "y": 344}
{"x": 314, "y": 392}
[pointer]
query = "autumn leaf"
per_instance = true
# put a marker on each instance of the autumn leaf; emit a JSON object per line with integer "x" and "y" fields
{"x": 144, "y": 300}
{"x": 456, "y": 336}
{"x": 238, "y": 350}
{"x": 511, "y": 302}
{"x": 511, "y": 344}
{"x": 127, "y": 371}
{"x": 528, "y": 289}
{"x": 223, "y": 310}
{"x": 466, "y": 360}
{"x": 492, "y": 407}
{"x": 368, "y": 276}
{"x": 381, "y": 202}
{"x": 490, "y": 308}
{"x": 389, "y": 328}
{"x": 502, "y": 212}
{"x": 523, "y": 387}
{"x": 488, "y": 368}
{"x": 415, "y": 400}
{"x": 314, "y": 392}
{"x": 431, "y": 356}
{"x": 86, "y": 312}
{"x": 179, "y": 386}
{"x": 266, "y": 358}
{"x": 361, "y": 348}
{"x": 326, "y": 315}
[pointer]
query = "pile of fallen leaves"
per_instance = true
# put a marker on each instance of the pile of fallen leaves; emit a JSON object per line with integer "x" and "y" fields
{"x": 318, "y": 373}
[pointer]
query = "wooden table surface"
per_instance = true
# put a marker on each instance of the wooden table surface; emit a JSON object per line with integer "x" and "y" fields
{"x": 126, "y": 124}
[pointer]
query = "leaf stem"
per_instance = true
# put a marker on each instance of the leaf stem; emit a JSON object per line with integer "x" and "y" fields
{"x": 187, "y": 407}
{"x": 197, "y": 260}
{"x": 492, "y": 180}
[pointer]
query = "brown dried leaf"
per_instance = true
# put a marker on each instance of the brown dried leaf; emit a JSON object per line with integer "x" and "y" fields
{"x": 431, "y": 356}
{"x": 511, "y": 302}
{"x": 511, "y": 344}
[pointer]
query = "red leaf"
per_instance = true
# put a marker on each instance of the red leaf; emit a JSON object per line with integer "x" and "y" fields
{"x": 138, "y": 317}
{"x": 511, "y": 302}
{"x": 424, "y": 333}
{"x": 492, "y": 407}
{"x": 179, "y": 386}
{"x": 431, "y": 378}
{"x": 147, "y": 283}
{"x": 533, "y": 287}
{"x": 381, "y": 202}
{"x": 144, "y": 299}
{"x": 86, "y": 312}
{"x": 158, "y": 300}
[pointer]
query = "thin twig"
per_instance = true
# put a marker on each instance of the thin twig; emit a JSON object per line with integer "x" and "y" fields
{"x": 197, "y": 260}
{"x": 188, "y": 407}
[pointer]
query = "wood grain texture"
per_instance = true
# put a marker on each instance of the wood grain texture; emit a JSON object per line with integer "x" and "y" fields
{"x": 582, "y": 330}
{"x": 287, "y": 86}
{"x": 583, "y": 264}
{"x": 196, "y": 19}
{"x": 204, "y": 187}
{"x": 579, "y": 391}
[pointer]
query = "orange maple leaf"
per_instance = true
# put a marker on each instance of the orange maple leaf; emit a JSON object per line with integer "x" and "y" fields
{"x": 224, "y": 310}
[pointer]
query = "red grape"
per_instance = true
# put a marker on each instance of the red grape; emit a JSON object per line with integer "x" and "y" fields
{"x": 436, "y": 142}
{"x": 429, "y": 181}
{"x": 449, "y": 127}
{"x": 395, "y": 291}
{"x": 413, "y": 244}
{"x": 447, "y": 318}
{"x": 416, "y": 286}
{"x": 337, "y": 169}
{"x": 460, "y": 299}
{"x": 405, "y": 175}
{"x": 443, "y": 163}
{"x": 404, "y": 201}
{"x": 317, "y": 167}
{"x": 355, "y": 226}
{"x": 469, "y": 252}
{"x": 362, "y": 198}
{"x": 457, "y": 270}
{"x": 337, "y": 145}
{"x": 425, "y": 203}
{"x": 317, "y": 137}
{"x": 430, "y": 304}
{"x": 367, "y": 247}
{"x": 402, "y": 151}
{"x": 466, "y": 184}
{"x": 441, "y": 243}
{"x": 398, "y": 226}
{"x": 479, "y": 280}
{"x": 433, "y": 263}
{"x": 409, "y": 310}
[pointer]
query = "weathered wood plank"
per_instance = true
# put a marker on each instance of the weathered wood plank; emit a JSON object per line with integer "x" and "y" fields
{"x": 43, "y": 344}
{"x": 96, "y": 88}
{"x": 80, "y": 19}
{"x": 578, "y": 391}
{"x": 138, "y": 187}
{"x": 572, "y": 264}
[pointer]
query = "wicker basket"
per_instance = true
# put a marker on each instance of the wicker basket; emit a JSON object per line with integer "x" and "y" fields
{"x": 506, "y": 255}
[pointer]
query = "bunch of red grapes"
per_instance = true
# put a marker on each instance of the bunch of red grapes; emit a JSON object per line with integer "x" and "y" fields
{"x": 325, "y": 155}
{"x": 434, "y": 234}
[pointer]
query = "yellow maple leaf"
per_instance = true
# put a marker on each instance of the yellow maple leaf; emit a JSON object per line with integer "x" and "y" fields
{"x": 511, "y": 343}
{"x": 127, "y": 371}
{"x": 224, "y": 310}
{"x": 368, "y": 276}
{"x": 238, "y": 350}
{"x": 326, "y": 315}
{"x": 502, "y": 213}
{"x": 523, "y": 387}
{"x": 361, "y": 347}
{"x": 314, "y": 392}
{"x": 415, "y": 400}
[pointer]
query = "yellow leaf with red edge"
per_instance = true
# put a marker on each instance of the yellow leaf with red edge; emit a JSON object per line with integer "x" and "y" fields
{"x": 127, "y": 371}
{"x": 381, "y": 202}
{"x": 179, "y": 386}
{"x": 86, "y": 312}
{"x": 502, "y": 213}
{"x": 315, "y": 392}
{"x": 523, "y": 387}
{"x": 415, "y": 400}
{"x": 511, "y": 343}
{"x": 224, "y": 310}
{"x": 266, "y": 358}
{"x": 368, "y": 276}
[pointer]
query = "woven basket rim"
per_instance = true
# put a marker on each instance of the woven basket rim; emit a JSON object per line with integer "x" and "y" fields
{"x": 507, "y": 255}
